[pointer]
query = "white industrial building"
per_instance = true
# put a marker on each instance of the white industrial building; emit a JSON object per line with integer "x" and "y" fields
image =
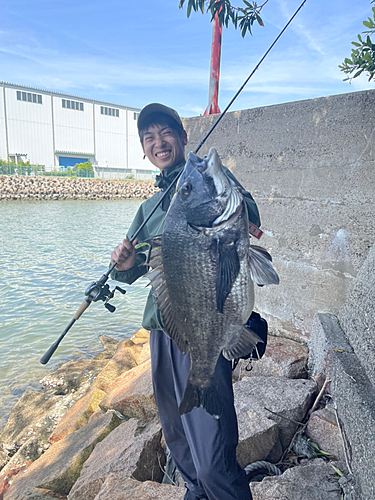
{"x": 59, "y": 130}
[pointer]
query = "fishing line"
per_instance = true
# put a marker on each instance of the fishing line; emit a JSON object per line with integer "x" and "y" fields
{"x": 216, "y": 124}
{"x": 99, "y": 290}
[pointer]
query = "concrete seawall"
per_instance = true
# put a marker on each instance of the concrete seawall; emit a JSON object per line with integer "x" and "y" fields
{"x": 310, "y": 167}
{"x": 46, "y": 188}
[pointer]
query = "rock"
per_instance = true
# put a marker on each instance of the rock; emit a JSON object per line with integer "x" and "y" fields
{"x": 117, "y": 489}
{"x": 131, "y": 450}
{"x": 34, "y": 417}
{"x": 288, "y": 399}
{"x": 4, "y": 459}
{"x": 73, "y": 374}
{"x": 314, "y": 481}
{"x": 5, "y": 478}
{"x": 29, "y": 452}
{"x": 24, "y": 419}
{"x": 110, "y": 346}
{"x": 78, "y": 415}
{"x": 122, "y": 361}
{"x": 145, "y": 353}
{"x": 141, "y": 336}
{"x": 258, "y": 435}
{"x": 323, "y": 430}
{"x": 132, "y": 394}
{"x": 42, "y": 494}
{"x": 283, "y": 358}
{"x": 60, "y": 466}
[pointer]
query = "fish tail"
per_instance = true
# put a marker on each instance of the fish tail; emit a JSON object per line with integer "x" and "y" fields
{"x": 207, "y": 397}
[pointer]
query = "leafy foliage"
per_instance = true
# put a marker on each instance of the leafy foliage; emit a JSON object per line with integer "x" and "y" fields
{"x": 241, "y": 17}
{"x": 363, "y": 55}
{"x": 83, "y": 169}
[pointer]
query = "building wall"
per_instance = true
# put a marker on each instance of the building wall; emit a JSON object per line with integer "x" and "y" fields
{"x": 3, "y": 146}
{"x": 73, "y": 128}
{"x": 310, "y": 167}
{"x": 30, "y": 126}
{"x": 55, "y": 128}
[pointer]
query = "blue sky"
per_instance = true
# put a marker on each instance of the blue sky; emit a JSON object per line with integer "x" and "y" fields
{"x": 136, "y": 52}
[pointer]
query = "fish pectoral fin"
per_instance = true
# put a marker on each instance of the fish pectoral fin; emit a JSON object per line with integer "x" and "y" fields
{"x": 261, "y": 270}
{"x": 207, "y": 397}
{"x": 227, "y": 269}
{"x": 152, "y": 250}
{"x": 246, "y": 343}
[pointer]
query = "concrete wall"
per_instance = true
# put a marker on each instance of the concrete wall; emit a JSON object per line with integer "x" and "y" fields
{"x": 310, "y": 167}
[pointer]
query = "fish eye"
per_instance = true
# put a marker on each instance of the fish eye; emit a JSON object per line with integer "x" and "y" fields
{"x": 186, "y": 189}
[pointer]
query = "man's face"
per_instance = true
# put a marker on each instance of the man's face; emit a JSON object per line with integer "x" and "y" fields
{"x": 164, "y": 146}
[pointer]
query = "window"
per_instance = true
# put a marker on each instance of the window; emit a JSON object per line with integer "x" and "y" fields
{"x": 72, "y": 104}
{"x": 29, "y": 97}
{"x": 136, "y": 116}
{"x": 109, "y": 111}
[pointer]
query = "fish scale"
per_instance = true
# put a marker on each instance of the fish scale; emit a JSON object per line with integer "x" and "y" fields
{"x": 203, "y": 273}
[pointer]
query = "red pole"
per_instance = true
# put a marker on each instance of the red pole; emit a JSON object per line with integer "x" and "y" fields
{"x": 213, "y": 96}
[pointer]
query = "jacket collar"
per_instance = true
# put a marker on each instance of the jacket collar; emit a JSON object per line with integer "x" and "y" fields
{"x": 167, "y": 176}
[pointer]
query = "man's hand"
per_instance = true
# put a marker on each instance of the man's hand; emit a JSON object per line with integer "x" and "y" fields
{"x": 124, "y": 255}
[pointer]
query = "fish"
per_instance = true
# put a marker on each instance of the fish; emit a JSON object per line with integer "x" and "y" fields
{"x": 203, "y": 270}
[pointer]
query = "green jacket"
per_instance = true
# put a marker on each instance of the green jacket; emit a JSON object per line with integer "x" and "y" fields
{"x": 152, "y": 319}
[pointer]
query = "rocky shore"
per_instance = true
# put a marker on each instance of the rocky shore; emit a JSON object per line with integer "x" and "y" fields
{"x": 58, "y": 188}
{"x": 93, "y": 432}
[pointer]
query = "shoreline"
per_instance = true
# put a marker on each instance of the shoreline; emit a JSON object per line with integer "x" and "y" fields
{"x": 13, "y": 188}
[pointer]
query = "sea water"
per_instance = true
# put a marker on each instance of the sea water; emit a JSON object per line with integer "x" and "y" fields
{"x": 50, "y": 251}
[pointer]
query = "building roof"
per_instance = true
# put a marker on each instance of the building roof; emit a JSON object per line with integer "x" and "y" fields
{"x": 130, "y": 108}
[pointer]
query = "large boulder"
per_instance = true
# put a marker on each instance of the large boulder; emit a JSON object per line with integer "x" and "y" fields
{"x": 315, "y": 481}
{"x": 121, "y": 489}
{"x": 124, "y": 359}
{"x": 24, "y": 419}
{"x": 282, "y": 358}
{"x": 130, "y": 451}
{"x": 258, "y": 435}
{"x": 60, "y": 466}
{"x": 78, "y": 415}
{"x": 31, "y": 422}
{"x": 132, "y": 394}
{"x": 141, "y": 336}
{"x": 285, "y": 401}
{"x": 73, "y": 374}
{"x": 323, "y": 430}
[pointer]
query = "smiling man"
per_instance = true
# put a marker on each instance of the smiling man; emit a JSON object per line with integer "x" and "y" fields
{"x": 203, "y": 448}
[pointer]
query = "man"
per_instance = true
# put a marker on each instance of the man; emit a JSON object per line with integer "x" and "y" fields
{"x": 203, "y": 448}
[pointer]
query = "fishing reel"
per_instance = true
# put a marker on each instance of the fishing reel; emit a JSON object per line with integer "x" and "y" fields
{"x": 98, "y": 290}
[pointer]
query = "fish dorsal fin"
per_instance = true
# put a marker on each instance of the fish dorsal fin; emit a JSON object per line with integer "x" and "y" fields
{"x": 161, "y": 294}
{"x": 245, "y": 345}
{"x": 261, "y": 270}
{"x": 227, "y": 269}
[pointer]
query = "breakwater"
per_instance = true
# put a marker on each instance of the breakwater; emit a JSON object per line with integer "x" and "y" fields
{"x": 54, "y": 188}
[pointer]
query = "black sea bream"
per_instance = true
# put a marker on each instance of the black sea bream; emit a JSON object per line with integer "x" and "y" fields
{"x": 203, "y": 276}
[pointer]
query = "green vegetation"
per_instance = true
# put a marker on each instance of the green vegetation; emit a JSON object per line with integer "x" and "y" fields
{"x": 25, "y": 168}
{"x": 363, "y": 55}
{"x": 83, "y": 169}
{"x": 241, "y": 17}
{"x": 20, "y": 168}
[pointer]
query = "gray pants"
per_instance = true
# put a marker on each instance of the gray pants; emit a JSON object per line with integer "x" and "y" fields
{"x": 203, "y": 448}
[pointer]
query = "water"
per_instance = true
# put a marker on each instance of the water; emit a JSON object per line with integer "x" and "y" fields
{"x": 49, "y": 253}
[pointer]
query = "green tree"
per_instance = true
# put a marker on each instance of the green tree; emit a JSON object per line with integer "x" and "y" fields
{"x": 363, "y": 55}
{"x": 83, "y": 169}
{"x": 241, "y": 17}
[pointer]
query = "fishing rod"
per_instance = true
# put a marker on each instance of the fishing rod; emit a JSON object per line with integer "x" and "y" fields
{"x": 99, "y": 290}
